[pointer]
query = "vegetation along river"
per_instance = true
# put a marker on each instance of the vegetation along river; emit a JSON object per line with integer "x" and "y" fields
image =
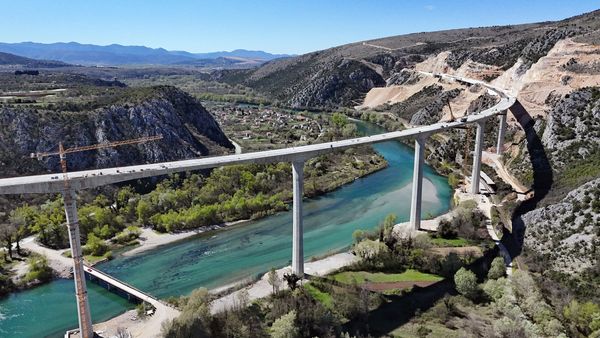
{"x": 235, "y": 253}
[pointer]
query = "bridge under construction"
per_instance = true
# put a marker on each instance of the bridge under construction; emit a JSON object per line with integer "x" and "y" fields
{"x": 297, "y": 156}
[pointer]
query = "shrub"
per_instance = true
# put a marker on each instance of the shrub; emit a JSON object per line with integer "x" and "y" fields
{"x": 495, "y": 288}
{"x": 284, "y": 326}
{"x": 446, "y": 229}
{"x": 95, "y": 246}
{"x": 369, "y": 250}
{"x": 497, "y": 269}
{"x": 38, "y": 270}
{"x": 466, "y": 283}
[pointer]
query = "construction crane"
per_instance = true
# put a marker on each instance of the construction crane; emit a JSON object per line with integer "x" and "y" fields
{"x": 69, "y": 199}
{"x": 61, "y": 151}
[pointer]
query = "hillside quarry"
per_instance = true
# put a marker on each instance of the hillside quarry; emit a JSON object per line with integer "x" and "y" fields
{"x": 552, "y": 68}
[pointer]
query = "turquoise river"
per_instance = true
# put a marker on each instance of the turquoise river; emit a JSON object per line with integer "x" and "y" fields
{"x": 235, "y": 253}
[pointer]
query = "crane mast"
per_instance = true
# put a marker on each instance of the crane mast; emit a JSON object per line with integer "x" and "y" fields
{"x": 70, "y": 202}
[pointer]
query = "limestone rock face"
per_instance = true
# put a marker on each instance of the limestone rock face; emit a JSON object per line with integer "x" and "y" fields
{"x": 573, "y": 123}
{"x": 188, "y": 131}
{"x": 433, "y": 112}
{"x": 566, "y": 233}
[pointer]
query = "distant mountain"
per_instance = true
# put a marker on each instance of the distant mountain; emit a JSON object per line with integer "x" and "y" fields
{"x": 242, "y": 53}
{"x": 87, "y": 54}
{"x": 7, "y": 59}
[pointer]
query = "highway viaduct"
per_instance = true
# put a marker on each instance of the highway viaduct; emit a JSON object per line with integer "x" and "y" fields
{"x": 297, "y": 156}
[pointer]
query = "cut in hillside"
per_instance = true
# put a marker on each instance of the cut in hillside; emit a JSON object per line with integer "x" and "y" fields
{"x": 343, "y": 75}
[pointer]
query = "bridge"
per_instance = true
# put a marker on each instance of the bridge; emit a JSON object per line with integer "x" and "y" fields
{"x": 54, "y": 183}
{"x": 128, "y": 289}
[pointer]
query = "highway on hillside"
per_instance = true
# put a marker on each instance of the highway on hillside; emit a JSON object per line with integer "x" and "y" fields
{"x": 79, "y": 180}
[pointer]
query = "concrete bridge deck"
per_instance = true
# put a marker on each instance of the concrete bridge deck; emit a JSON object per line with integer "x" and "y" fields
{"x": 131, "y": 290}
{"x": 68, "y": 184}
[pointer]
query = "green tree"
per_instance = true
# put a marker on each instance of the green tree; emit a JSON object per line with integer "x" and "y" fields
{"x": 388, "y": 226}
{"x": 466, "y": 283}
{"x": 274, "y": 280}
{"x": 339, "y": 120}
{"x": 95, "y": 246}
{"x": 144, "y": 211}
{"x": 285, "y": 326}
{"x": 7, "y": 233}
{"x": 369, "y": 250}
{"x": 194, "y": 320}
{"x": 38, "y": 269}
{"x": 497, "y": 269}
{"x": 21, "y": 218}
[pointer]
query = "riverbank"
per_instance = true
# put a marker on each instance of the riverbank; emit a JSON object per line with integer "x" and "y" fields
{"x": 150, "y": 239}
{"x": 150, "y": 327}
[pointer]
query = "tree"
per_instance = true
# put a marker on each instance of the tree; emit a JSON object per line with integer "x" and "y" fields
{"x": 95, "y": 246}
{"x": 38, "y": 269}
{"x": 369, "y": 250}
{"x": 466, "y": 283}
{"x": 274, "y": 280}
{"x": 388, "y": 226}
{"x": 143, "y": 211}
{"x": 285, "y": 327}
{"x": 292, "y": 280}
{"x": 7, "y": 233}
{"x": 446, "y": 229}
{"x": 358, "y": 236}
{"x": 20, "y": 218}
{"x": 194, "y": 320}
{"x": 497, "y": 269}
{"x": 339, "y": 120}
{"x": 585, "y": 316}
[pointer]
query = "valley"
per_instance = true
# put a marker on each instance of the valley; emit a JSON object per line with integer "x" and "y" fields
{"x": 498, "y": 238}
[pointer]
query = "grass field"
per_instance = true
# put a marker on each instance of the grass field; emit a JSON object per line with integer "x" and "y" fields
{"x": 454, "y": 242}
{"x": 323, "y": 297}
{"x": 361, "y": 277}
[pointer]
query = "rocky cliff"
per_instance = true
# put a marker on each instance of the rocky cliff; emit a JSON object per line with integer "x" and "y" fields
{"x": 187, "y": 128}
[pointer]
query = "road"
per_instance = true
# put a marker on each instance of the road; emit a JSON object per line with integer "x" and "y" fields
{"x": 53, "y": 183}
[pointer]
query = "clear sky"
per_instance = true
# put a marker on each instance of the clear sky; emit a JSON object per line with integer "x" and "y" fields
{"x": 278, "y": 26}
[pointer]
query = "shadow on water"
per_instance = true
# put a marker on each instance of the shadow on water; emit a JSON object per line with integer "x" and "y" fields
{"x": 542, "y": 180}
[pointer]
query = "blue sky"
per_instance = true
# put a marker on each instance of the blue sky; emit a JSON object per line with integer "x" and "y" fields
{"x": 282, "y": 26}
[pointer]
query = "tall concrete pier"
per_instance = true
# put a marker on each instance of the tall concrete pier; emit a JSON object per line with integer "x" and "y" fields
{"x": 501, "y": 132}
{"x": 475, "y": 175}
{"x": 49, "y": 183}
{"x": 297, "y": 232}
{"x": 417, "y": 186}
{"x": 83, "y": 306}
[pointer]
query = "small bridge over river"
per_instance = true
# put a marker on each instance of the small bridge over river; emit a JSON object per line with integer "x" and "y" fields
{"x": 297, "y": 156}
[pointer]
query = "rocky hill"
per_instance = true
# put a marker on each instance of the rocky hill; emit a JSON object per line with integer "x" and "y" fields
{"x": 552, "y": 68}
{"x": 343, "y": 75}
{"x": 187, "y": 128}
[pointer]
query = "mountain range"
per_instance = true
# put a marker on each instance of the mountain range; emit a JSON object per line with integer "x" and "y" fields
{"x": 112, "y": 55}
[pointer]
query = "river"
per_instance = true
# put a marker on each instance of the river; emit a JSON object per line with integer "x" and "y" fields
{"x": 237, "y": 252}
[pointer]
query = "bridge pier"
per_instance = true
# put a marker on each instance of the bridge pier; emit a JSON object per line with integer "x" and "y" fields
{"x": 475, "y": 175}
{"x": 417, "y": 186}
{"x": 83, "y": 306}
{"x": 298, "y": 232}
{"x": 501, "y": 132}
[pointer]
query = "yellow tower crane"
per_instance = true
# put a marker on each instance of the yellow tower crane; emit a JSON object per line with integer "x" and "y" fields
{"x": 69, "y": 196}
